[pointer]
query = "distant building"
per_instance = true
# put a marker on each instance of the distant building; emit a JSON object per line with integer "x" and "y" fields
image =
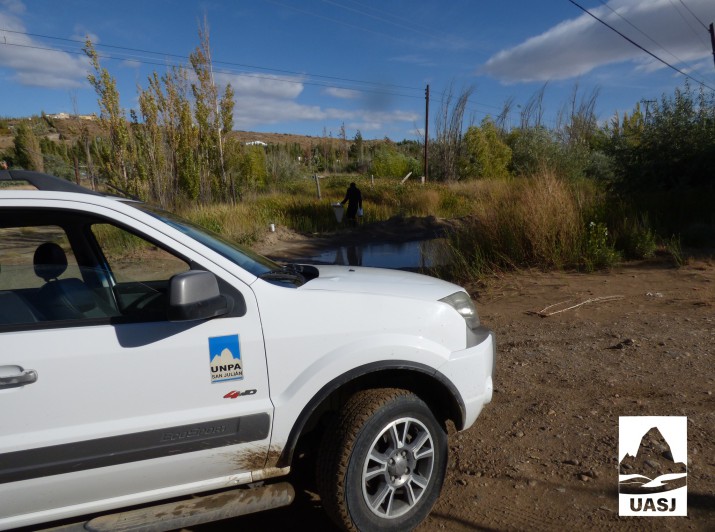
{"x": 256, "y": 143}
{"x": 66, "y": 116}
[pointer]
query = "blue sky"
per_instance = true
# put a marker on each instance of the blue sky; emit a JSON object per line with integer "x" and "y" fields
{"x": 308, "y": 66}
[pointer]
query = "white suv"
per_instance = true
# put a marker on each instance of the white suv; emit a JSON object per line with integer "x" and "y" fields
{"x": 145, "y": 360}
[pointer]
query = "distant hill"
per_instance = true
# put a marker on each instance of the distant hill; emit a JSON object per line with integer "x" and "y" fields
{"x": 68, "y": 129}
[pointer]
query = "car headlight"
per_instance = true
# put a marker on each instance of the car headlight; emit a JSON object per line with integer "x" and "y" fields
{"x": 462, "y": 303}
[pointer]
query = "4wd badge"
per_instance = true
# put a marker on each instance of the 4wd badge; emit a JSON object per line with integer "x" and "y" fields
{"x": 225, "y": 357}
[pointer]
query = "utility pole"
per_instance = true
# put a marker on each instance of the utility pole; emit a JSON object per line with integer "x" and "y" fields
{"x": 427, "y": 126}
{"x": 712, "y": 39}
{"x": 647, "y": 108}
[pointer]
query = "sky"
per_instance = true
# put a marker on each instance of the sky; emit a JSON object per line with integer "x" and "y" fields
{"x": 310, "y": 67}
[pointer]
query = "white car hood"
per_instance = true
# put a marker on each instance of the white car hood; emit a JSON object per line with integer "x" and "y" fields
{"x": 380, "y": 281}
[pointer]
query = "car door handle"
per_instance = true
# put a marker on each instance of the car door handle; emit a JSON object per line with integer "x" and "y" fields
{"x": 15, "y": 381}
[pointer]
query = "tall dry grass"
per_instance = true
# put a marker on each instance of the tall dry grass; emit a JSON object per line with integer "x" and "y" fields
{"x": 536, "y": 221}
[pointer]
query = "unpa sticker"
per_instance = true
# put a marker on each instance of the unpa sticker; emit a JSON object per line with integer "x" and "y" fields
{"x": 225, "y": 357}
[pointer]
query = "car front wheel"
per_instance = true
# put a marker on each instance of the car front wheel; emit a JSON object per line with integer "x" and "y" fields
{"x": 382, "y": 461}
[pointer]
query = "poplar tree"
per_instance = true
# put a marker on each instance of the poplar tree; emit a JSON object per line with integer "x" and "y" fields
{"x": 113, "y": 120}
{"x": 28, "y": 154}
{"x": 150, "y": 138}
{"x": 212, "y": 116}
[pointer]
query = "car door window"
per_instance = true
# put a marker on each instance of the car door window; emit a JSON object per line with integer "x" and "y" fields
{"x": 140, "y": 271}
{"x": 41, "y": 280}
{"x": 78, "y": 270}
{"x": 17, "y": 253}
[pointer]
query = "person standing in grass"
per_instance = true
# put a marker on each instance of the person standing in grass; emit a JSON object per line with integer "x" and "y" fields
{"x": 353, "y": 198}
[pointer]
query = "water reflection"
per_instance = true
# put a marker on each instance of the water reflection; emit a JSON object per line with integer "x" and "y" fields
{"x": 405, "y": 255}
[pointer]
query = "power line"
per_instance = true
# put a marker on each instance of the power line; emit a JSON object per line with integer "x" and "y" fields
{"x": 330, "y": 19}
{"x": 417, "y": 28}
{"x": 641, "y": 47}
{"x": 695, "y": 16}
{"x": 222, "y": 71}
{"x": 381, "y": 88}
{"x": 369, "y": 15}
{"x": 227, "y": 63}
{"x": 687, "y": 22}
{"x": 648, "y": 36}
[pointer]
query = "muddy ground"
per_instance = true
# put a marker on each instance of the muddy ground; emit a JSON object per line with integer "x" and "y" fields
{"x": 544, "y": 454}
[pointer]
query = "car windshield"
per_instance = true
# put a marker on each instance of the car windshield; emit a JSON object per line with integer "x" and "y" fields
{"x": 248, "y": 260}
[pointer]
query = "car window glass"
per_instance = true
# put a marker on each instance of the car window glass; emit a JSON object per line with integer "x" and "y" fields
{"x": 42, "y": 281}
{"x": 133, "y": 259}
{"x": 17, "y": 254}
{"x": 140, "y": 272}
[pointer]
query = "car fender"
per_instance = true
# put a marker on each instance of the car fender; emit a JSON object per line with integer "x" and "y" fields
{"x": 390, "y": 352}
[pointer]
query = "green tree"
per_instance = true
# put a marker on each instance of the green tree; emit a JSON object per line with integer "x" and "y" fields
{"x": 28, "y": 154}
{"x": 357, "y": 152}
{"x": 674, "y": 146}
{"x": 213, "y": 118}
{"x": 388, "y": 161}
{"x": 485, "y": 154}
{"x": 113, "y": 120}
{"x": 151, "y": 143}
{"x": 57, "y": 159}
{"x": 253, "y": 166}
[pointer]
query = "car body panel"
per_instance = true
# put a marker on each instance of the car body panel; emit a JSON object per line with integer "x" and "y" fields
{"x": 126, "y": 413}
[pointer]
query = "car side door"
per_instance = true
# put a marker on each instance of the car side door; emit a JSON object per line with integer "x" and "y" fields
{"x": 113, "y": 404}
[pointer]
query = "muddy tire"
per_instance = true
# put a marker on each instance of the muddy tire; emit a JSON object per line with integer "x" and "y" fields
{"x": 382, "y": 461}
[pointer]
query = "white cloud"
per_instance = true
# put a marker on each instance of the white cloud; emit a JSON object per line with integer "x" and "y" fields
{"x": 345, "y": 94}
{"x": 32, "y": 62}
{"x": 364, "y": 126}
{"x": 577, "y": 46}
{"x": 263, "y": 85}
{"x": 14, "y": 7}
{"x": 262, "y": 100}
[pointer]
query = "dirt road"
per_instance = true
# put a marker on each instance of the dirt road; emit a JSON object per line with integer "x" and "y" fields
{"x": 544, "y": 454}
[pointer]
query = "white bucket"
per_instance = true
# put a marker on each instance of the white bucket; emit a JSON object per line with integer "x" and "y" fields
{"x": 338, "y": 210}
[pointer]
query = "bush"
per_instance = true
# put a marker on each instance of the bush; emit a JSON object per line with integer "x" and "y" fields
{"x": 598, "y": 252}
{"x": 635, "y": 238}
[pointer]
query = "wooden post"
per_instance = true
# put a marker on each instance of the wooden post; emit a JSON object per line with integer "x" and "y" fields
{"x": 317, "y": 185}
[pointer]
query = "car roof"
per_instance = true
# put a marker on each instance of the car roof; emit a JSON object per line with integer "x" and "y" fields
{"x": 43, "y": 182}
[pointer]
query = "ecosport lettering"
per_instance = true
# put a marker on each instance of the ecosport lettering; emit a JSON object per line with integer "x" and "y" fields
{"x": 192, "y": 433}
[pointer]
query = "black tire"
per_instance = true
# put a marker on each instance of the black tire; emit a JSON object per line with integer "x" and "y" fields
{"x": 382, "y": 462}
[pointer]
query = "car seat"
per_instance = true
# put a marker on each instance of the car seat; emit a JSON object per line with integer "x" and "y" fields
{"x": 61, "y": 299}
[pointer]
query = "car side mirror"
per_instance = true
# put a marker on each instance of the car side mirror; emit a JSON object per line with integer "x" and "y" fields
{"x": 194, "y": 295}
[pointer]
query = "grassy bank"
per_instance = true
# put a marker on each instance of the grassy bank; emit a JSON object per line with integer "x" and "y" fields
{"x": 538, "y": 221}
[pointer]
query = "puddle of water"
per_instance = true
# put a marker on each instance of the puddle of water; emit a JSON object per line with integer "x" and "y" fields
{"x": 404, "y": 255}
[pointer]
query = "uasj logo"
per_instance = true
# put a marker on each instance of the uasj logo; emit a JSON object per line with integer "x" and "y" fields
{"x": 225, "y": 358}
{"x": 653, "y": 471}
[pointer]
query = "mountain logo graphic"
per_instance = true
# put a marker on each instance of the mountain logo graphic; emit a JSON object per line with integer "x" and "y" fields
{"x": 652, "y": 469}
{"x": 225, "y": 358}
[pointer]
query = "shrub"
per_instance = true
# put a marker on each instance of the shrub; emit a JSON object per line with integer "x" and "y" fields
{"x": 598, "y": 252}
{"x": 534, "y": 221}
